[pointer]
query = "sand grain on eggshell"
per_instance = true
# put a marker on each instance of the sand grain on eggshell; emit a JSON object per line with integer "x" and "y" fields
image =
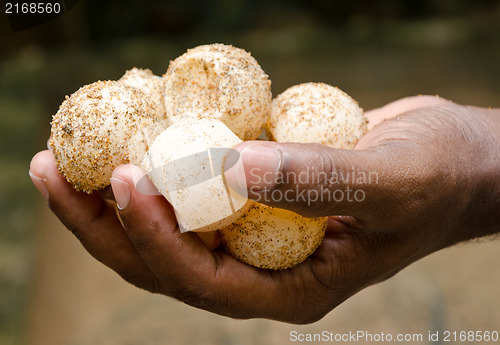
{"x": 273, "y": 238}
{"x": 150, "y": 84}
{"x": 317, "y": 113}
{"x": 221, "y": 82}
{"x": 92, "y": 129}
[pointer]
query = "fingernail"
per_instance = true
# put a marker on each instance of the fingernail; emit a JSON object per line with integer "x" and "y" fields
{"x": 141, "y": 181}
{"x": 121, "y": 191}
{"x": 39, "y": 183}
{"x": 234, "y": 172}
{"x": 257, "y": 169}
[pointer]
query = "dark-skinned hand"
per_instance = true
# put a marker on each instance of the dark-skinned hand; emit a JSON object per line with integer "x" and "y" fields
{"x": 437, "y": 165}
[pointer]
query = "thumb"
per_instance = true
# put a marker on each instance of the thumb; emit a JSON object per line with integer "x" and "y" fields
{"x": 311, "y": 179}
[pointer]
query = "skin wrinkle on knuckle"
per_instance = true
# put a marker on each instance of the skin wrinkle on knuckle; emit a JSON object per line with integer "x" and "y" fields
{"x": 155, "y": 226}
{"x": 343, "y": 170}
{"x": 142, "y": 245}
{"x": 309, "y": 179}
{"x": 324, "y": 275}
{"x": 334, "y": 169}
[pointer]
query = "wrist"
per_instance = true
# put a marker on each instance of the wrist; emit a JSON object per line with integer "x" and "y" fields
{"x": 493, "y": 176}
{"x": 484, "y": 205}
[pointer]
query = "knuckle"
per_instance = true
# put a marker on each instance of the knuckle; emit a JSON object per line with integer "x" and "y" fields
{"x": 306, "y": 179}
{"x": 141, "y": 244}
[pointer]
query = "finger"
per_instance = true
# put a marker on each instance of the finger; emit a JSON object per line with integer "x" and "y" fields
{"x": 187, "y": 269}
{"x": 376, "y": 116}
{"x": 316, "y": 180}
{"x": 91, "y": 219}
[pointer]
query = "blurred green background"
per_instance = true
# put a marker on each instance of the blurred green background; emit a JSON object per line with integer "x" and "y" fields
{"x": 376, "y": 51}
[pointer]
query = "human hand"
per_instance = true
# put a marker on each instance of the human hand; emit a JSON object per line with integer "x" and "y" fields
{"x": 436, "y": 186}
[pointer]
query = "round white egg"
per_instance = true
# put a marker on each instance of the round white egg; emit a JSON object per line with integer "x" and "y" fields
{"x": 96, "y": 129}
{"x": 317, "y": 113}
{"x": 272, "y": 238}
{"x": 220, "y": 82}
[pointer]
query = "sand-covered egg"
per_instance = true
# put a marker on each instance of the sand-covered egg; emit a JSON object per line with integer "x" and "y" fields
{"x": 186, "y": 164}
{"x": 99, "y": 127}
{"x": 220, "y": 82}
{"x": 317, "y": 113}
{"x": 272, "y": 238}
{"x": 150, "y": 84}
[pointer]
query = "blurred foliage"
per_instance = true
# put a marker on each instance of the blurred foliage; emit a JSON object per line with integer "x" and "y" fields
{"x": 376, "y": 51}
{"x": 102, "y": 21}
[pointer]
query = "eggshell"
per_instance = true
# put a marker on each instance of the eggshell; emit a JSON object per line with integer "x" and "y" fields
{"x": 97, "y": 128}
{"x": 272, "y": 238}
{"x": 186, "y": 163}
{"x": 150, "y": 84}
{"x": 317, "y": 113}
{"x": 220, "y": 82}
